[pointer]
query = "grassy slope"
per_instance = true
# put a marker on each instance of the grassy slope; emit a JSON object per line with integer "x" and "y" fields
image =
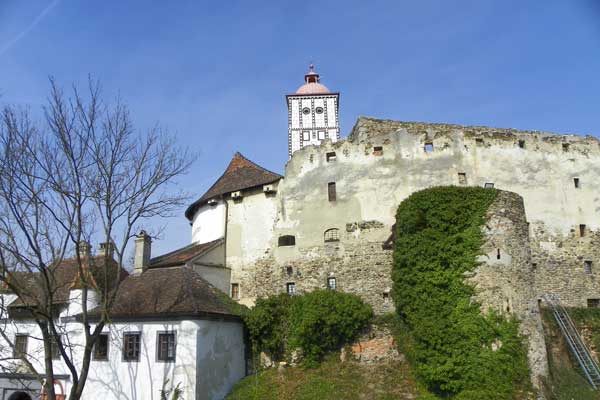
{"x": 331, "y": 380}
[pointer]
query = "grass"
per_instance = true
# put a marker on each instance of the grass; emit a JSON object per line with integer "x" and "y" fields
{"x": 332, "y": 379}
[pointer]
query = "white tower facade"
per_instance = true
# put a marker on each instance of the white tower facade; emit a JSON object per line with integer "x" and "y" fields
{"x": 312, "y": 113}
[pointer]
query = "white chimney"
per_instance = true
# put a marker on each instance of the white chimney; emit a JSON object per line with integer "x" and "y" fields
{"x": 142, "y": 252}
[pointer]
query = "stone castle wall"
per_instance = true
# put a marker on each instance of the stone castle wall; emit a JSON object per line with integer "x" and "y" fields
{"x": 382, "y": 163}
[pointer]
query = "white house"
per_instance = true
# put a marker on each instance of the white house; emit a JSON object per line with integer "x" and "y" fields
{"x": 170, "y": 326}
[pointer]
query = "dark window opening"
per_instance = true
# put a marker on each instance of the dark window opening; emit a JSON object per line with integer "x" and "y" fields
{"x": 534, "y": 266}
{"x": 587, "y": 267}
{"x": 290, "y": 288}
{"x": 54, "y": 351}
{"x": 489, "y": 185}
{"x": 378, "y": 151}
{"x": 565, "y": 147}
{"x": 576, "y": 182}
{"x": 331, "y": 193}
{"x": 386, "y": 296}
{"x": 522, "y": 144}
{"x": 287, "y": 240}
{"x": 479, "y": 142}
{"x": 289, "y": 270}
{"x": 332, "y": 235}
{"x": 166, "y": 347}
{"x": 101, "y": 347}
{"x": 20, "y": 349}
{"x": 462, "y": 178}
{"x": 131, "y": 346}
{"x": 593, "y": 303}
{"x": 498, "y": 254}
{"x": 330, "y": 156}
{"x": 331, "y": 283}
{"x": 235, "y": 291}
{"x": 581, "y": 230}
{"x": 428, "y": 147}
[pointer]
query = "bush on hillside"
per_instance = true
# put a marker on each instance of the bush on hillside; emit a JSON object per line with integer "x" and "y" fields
{"x": 456, "y": 351}
{"x": 317, "y": 323}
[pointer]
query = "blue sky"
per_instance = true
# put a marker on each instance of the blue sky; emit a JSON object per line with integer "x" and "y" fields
{"x": 216, "y": 73}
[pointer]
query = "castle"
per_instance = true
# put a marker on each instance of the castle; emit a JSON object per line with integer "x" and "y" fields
{"x": 327, "y": 223}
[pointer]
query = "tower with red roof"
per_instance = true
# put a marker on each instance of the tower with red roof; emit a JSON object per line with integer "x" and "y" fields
{"x": 312, "y": 113}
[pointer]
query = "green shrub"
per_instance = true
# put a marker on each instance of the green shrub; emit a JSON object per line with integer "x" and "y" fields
{"x": 317, "y": 323}
{"x": 456, "y": 351}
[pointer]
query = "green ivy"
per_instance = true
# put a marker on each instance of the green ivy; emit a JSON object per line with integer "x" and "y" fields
{"x": 456, "y": 351}
{"x": 317, "y": 323}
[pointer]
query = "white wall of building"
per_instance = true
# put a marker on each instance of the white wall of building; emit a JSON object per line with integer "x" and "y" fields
{"x": 208, "y": 223}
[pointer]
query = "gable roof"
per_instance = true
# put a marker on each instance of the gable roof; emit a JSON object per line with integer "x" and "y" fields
{"x": 240, "y": 174}
{"x": 184, "y": 254}
{"x": 175, "y": 291}
{"x": 65, "y": 276}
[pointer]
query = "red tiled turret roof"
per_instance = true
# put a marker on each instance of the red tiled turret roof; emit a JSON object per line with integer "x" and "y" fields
{"x": 240, "y": 174}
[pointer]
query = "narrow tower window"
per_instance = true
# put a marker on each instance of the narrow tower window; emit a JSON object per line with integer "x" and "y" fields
{"x": 565, "y": 147}
{"x": 331, "y": 283}
{"x": 576, "y": 182}
{"x": 522, "y": 144}
{"x": 581, "y": 230}
{"x": 331, "y": 191}
{"x": 462, "y": 178}
{"x": 587, "y": 267}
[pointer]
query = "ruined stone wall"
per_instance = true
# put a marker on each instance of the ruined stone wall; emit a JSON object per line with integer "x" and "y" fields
{"x": 382, "y": 163}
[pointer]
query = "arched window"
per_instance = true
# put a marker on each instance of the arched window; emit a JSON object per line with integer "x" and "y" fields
{"x": 332, "y": 235}
{"x": 287, "y": 240}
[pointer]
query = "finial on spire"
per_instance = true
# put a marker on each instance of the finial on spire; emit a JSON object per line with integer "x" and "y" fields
{"x": 311, "y": 76}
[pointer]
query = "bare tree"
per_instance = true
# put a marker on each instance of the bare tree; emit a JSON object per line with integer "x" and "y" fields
{"x": 83, "y": 173}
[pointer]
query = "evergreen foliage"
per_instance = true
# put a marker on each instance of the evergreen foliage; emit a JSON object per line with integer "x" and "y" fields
{"x": 456, "y": 351}
{"x": 316, "y": 323}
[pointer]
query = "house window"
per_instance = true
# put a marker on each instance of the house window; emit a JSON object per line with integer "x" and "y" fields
{"x": 306, "y": 135}
{"x": 20, "y": 349}
{"x": 593, "y": 303}
{"x": 330, "y": 156}
{"x": 54, "y": 351}
{"x": 565, "y": 147}
{"x": 332, "y": 235}
{"x": 479, "y": 142}
{"x": 488, "y": 185}
{"x": 378, "y": 151}
{"x": 522, "y": 144}
{"x": 576, "y": 182}
{"x": 331, "y": 191}
{"x": 462, "y": 178}
{"x": 165, "y": 346}
{"x": 581, "y": 230}
{"x": 290, "y": 288}
{"x": 428, "y": 147}
{"x": 587, "y": 267}
{"x": 235, "y": 291}
{"x": 101, "y": 348}
{"x": 131, "y": 346}
{"x": 331, "y": 283}
{"x": 321, "y": 135}
{"x": 286, "y": 240}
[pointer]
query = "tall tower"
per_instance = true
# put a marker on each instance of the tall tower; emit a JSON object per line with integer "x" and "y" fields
{"x": 312, "y": 113}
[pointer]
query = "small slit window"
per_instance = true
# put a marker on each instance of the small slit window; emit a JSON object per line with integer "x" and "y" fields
{"x": 521, "y": 144}
{"x": 331, "y": 192}
{"x": 331, "y": 283}
{"x": 386, "y": 297}
{"x": 378, "y": 151}
{"x": 576, "y": 183}
{"x": 582, "y": 230}
{"x": 330, "y": 156}
{"x": 587, "y": 267}
{"x": 428, "y": 147}
{"x": 286, "y": 240}
{"x": 498, "y": 256}
{"x": 290, "y": 288}
{"x": 235, "y": 291}
{"x": 331, "y": 235}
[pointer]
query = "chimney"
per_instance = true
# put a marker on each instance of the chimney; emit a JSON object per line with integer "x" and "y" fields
{"x": 84, "y": 248}
{"x": 107, "y": 249}
{"x": 142, "y": 252}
